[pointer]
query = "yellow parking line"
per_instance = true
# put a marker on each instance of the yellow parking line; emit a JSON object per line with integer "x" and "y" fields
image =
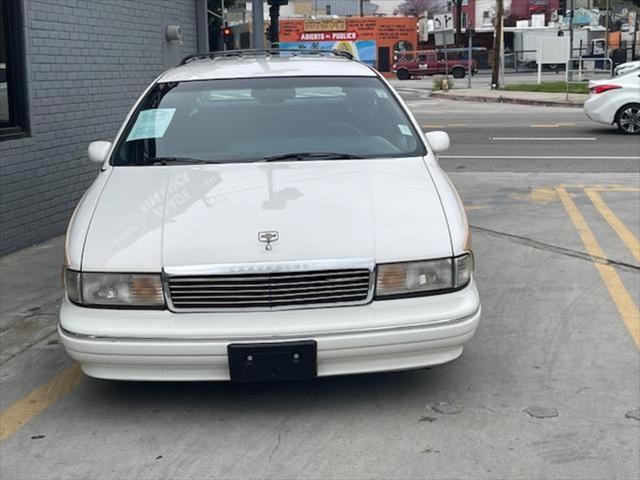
{"x": 432, "y": 126}
{"x": 627, "y": 308}
{"x": 620, "y": 228}
{"x": 544, "y": 125}
{"x": 36, "y": 402}
{"x": 456, "y": 124}
{"x": 616, "y": 189}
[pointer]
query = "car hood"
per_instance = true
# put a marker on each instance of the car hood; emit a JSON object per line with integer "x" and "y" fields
{"x": 178, "y": 217}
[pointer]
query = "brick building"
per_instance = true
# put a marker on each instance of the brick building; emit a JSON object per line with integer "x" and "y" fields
{"x": 69, "y": 72}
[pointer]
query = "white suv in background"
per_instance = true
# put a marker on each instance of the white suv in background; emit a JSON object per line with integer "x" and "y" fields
{"x": 268, "y": 216}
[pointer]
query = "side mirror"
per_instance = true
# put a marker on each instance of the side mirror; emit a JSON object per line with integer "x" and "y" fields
{"x": 98, "y": 151}
{"x": 439, "y": 141}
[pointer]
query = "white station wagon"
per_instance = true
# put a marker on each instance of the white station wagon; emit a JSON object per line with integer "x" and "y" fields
{"x": 268, "y": 215}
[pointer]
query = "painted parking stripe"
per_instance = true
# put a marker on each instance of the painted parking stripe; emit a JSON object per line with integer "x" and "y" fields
{"x": 612, "y": 219}
{"x": 545, "y": 139}
{"x": 623, "y": 301}
{"x": 36, "y": 402}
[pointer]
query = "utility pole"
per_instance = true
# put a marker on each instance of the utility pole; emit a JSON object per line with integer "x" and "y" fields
{"x": 573, "y": 7}
{"x": 497, "y": 41}
{"x": 362, "y": 8}
{"x": 257, "y": 17}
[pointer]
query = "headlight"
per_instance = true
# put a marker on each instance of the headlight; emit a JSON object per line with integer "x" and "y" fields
{"x": 114, "y": 289}
{"x": 422, "y": 277}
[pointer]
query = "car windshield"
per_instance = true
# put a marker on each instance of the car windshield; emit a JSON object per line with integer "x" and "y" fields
{"x": 267, "y": 119}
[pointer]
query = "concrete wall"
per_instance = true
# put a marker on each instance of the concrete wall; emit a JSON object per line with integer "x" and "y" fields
{"x": 87, "y": 61}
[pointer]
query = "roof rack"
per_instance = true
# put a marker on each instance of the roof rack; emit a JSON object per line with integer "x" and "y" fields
{"x": 288, "y": 52}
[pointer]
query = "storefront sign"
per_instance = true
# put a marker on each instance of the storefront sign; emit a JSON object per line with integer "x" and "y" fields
{"x": 326, "y": 25}
{"x": 327, "y": 36}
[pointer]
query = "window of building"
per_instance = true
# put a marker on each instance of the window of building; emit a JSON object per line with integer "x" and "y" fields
{"x": 486, "y": 17}
{"x": 13, "y": 92}
{"x": 464, "y": 20}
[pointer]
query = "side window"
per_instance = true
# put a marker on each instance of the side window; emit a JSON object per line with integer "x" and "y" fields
{"x": 13, "y": 85}
{"x": 422, "y": 58}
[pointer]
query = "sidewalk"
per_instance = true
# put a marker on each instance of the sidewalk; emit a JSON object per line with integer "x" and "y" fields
{"x": 522, "y": 98}
{"x": 30, "y": 295}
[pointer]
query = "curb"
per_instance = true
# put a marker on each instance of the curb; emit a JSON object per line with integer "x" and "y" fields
{"x": 501, "y": 99}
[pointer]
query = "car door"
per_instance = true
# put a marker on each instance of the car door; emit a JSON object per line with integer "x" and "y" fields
{"x": 423, "y": 64}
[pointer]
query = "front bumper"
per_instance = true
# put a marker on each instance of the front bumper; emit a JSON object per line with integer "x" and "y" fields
{"x": 161, "y": 345}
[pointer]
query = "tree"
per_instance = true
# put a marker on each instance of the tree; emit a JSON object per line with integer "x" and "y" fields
{"x": 497, "y": 36}
{"x": 458, "y": 4}
{"x": 419, "y": 8}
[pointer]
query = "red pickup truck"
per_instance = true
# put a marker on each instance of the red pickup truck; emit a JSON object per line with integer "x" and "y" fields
{"x": 430, "y": 62}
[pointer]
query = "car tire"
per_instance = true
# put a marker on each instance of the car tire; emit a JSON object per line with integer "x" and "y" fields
{"x": 458, "y": 72}
{"x": 403, "y": 74}
{"x": 628, "y": 119}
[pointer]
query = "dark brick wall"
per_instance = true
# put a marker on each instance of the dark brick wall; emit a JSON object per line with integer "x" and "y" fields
{"x": 87, "y": 61}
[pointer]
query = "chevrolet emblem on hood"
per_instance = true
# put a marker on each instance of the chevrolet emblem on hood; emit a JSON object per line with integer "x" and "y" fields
{"x": 268, "y": 237}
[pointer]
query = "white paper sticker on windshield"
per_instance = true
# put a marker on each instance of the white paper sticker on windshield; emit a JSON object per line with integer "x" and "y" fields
{"x": 151, "y": 123}
{"x": 382, "y": 93}
{"x": 404, "y": 129}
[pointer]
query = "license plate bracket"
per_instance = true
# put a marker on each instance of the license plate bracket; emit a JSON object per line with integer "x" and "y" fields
{"x": 269, "y": 362}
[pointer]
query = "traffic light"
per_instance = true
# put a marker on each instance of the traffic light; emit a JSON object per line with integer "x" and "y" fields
{"x": 227, "y": 38}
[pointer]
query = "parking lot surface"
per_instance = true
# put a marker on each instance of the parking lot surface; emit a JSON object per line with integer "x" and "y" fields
{"x": 549, "y": 387}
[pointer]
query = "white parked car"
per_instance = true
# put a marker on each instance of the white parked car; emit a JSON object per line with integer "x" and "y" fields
{"x": 625, "y": 68}
{"x": 263, "y": 216}
{"x": 616, "y": 101}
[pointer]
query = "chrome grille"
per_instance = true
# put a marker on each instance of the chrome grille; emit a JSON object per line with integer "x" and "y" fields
{"x": 270, "y": 290}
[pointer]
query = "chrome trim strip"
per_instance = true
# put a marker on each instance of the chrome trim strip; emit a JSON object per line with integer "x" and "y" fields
{"x": 277, "y": 338}
{"x": 270, "y": 267}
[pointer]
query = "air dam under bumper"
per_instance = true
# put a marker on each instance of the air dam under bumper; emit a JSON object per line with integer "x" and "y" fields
{"x": 381, "y": 336}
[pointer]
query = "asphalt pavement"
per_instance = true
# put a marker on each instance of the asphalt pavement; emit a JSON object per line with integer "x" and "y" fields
{"x": 549, "y": 387}
{"x": 523, "y": 138}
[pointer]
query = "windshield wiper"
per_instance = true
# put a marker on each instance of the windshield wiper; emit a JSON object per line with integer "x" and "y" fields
{"x": 178, "y": 160}
{"x": 309, "y": 156}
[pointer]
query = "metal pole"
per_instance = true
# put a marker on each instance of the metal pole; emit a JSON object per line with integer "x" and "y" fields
{"x": 274, "y": 29}
{"x": 502, "y": 52}
{"x": 635, "y": 31}
{"x": 362, "y": 8}
{"x": 470, "y": 56}
{"x": 606, "y": 32}
{"x": 257, "y": 18}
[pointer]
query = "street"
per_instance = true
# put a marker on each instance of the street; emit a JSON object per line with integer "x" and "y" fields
{"x": 548, "y": 388}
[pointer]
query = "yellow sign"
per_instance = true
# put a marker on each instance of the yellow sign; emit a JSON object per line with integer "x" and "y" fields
{"x": 326, "y": 25}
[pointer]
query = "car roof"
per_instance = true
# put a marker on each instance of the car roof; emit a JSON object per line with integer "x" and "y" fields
{"x": 222, "y": 67}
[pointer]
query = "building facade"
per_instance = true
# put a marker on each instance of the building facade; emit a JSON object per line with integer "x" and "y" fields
{"x": 69, "y": 72}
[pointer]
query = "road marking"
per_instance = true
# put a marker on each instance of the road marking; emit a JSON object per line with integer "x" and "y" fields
{"x": 14, "y": 417}
{"x": 627, "y": 308}
{"x": 543, "y": 157}
{"x": 620, "y": 228}
{"x": 432, "y": 126}
{"x": 456, "y": 124}
{"x": 476, "y": 207}
{"x": 552, "y": 125}
{"x": 545, "y": 139}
